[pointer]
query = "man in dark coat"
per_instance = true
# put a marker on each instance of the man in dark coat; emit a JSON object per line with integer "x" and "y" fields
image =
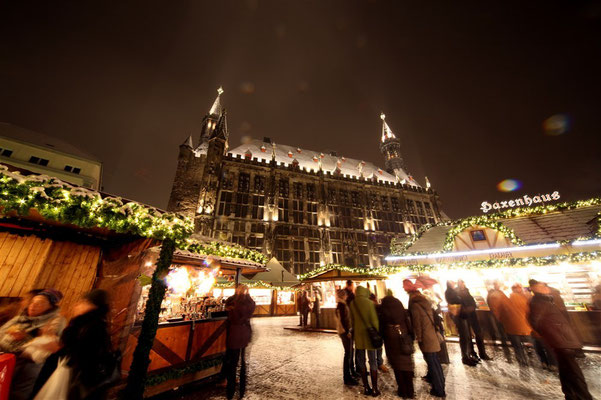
{"x": 240, "y": 308}
{"x": 468, "y": 312}
{"x": 551, "y": 324}
{"x": 395, "y": 326}
{"x": 465, "y": 337}
{"x": 350, "y": 296}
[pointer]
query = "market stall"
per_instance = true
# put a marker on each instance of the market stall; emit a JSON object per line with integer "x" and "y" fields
{"x": 73, "y": 239}
{"x": 273, "y": 290}
{"x": 190, "y": 340}
{"x": 281, "y": 284}
{"x": 327, "y": 279}
{"x": 53, "y": 234}
{"x": 557, "y": 243}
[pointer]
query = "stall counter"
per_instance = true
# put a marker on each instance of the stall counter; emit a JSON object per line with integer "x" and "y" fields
{"x": 198, "y": 346}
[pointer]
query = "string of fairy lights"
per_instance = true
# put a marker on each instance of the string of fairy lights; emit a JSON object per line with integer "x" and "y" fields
{"x": 387, "y": 270}
{"x": 59, "y": 201}
{"x": 493, "y": 221}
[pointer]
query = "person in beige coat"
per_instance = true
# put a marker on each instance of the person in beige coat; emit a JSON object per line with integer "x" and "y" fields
{"x": 426, "y": 335}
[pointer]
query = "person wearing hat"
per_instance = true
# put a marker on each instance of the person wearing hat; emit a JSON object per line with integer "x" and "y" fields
{"x": 86, "y": 344}
{"x": 41, "y": 317}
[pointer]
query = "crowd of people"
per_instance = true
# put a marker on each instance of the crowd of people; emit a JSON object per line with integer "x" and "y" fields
{"x": 537, "y": 316}
{"x": 54, "y": 358}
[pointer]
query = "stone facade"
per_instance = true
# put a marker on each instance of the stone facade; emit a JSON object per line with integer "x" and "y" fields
{"x": 303, "y": 207}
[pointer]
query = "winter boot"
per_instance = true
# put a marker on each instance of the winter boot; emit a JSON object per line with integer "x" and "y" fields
{"x": 366, "y": 388}
{"x": 374, "y": 383}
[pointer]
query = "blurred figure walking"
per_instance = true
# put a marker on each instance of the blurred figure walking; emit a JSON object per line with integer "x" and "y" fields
{"x": 550, "y": 322}
{"x": 86, "y": 350}
{"x": 468, "y": 312}
{"x": 465, "y": 337}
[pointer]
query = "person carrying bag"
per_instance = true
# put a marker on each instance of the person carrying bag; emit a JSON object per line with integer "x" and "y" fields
{"x": 367, "y": 338}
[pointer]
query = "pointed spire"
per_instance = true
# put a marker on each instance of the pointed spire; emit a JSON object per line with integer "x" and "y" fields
{"x": 216, "y": 109}
{"x": 386, "y": 131}
{"x": 428, "y": 185}
{"x": 188, "y": 142}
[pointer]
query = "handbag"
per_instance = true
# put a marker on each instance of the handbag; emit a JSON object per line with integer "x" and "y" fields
{"x": 374, "y": 335}
{"x": 454, "y": 309}
{"x": 405, "y": 340}
{"x": 439, "y": 335}
{"x": 57, "y": 386}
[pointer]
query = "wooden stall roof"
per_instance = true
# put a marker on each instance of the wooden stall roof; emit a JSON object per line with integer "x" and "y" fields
{"x": 227, "y": 263}
{"x": 275, "y": 275}
{"x": 338, "y": 275}
{"x": 12, "y": 177}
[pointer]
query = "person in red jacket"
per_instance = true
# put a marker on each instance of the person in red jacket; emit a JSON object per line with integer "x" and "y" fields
{"x": 551, "y": 324}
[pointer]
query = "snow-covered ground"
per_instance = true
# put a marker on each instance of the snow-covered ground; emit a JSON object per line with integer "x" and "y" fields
{"x": 285, "y": 364}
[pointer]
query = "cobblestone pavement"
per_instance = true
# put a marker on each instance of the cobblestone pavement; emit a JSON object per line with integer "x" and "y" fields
{"x": 285, "y": 364}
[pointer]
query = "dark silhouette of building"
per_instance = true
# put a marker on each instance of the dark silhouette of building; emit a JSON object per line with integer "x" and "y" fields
{"x": 305, "y": 207}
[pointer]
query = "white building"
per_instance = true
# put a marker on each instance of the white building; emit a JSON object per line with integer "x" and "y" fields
{"x": 43, "y": 154}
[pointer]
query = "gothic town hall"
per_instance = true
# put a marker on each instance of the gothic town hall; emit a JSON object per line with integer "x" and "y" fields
{"x": 305, "y": 207}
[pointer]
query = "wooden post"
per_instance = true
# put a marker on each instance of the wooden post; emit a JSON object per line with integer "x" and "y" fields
{"x": 237, "y": 277}
{"x": 136, "y": 380}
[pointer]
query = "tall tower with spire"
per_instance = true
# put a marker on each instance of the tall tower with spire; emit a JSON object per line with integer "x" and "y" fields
{"x": 390, "y": 146}
{"x": 196, "y": 179}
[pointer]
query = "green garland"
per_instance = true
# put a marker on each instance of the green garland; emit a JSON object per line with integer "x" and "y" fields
{"x": 136, "y": 379}
{"x": 346, "y": 268}
{"x": 502, "y": 263}
{"x": 254, "y": 284}
{"x": 223, "y": 250}
{"x": 399, "y": 246}
{"x": 449, "y": 242}
{"x": 56, "y": 200}
{"x": 387, "y": 270}
{"x": 174, "y": 373}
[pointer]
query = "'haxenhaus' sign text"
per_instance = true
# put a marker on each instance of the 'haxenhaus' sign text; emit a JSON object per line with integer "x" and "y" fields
{"x": 525, "y": 201}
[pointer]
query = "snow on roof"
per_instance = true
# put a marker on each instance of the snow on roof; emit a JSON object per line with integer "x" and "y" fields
{"x": 39, "y": 139}
{"x": 314, "y": 161}
{"x": 569, "y": 224}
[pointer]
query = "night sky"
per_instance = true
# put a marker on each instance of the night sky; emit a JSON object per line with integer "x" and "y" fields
{"x": 467, "y": 86}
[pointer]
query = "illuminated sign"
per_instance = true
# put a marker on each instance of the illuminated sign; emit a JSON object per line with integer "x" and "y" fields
{"x": 524, "y": 201}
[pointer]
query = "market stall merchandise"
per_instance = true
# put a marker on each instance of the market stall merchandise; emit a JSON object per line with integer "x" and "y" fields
{"x": 559, "y": 244}
{"x": 327, "y": 279}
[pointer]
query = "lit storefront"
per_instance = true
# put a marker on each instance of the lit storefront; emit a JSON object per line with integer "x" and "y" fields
{"x": 330, "y": 278}
{"x": 556, "y": 244}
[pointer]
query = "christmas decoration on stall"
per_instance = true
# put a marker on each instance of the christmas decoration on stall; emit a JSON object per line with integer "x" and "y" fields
{"x": 386, "y": 270}
{"x": 56, "y": 200}
{"x": 253, "y": 284}
{"x": 399, "y": 246}
{"x": 222, "y": 250}
{"x": 449, "y": 242}
{"x": 355, "y": 270}
{"x": 136, "y": 379}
